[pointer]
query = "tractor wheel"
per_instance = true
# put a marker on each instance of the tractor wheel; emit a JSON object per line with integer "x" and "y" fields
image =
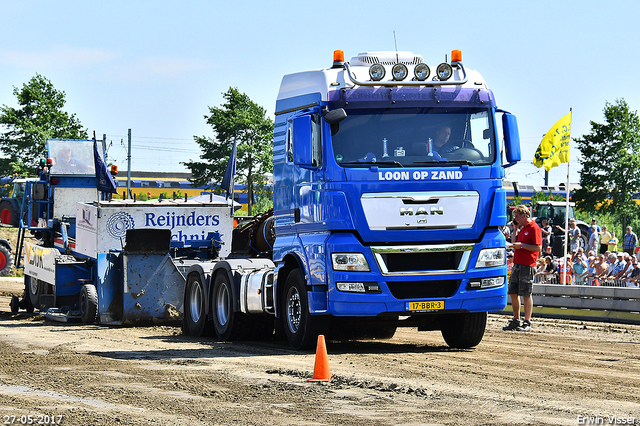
{"x": 6, "y": 261}
{"x": 8, "y": 214}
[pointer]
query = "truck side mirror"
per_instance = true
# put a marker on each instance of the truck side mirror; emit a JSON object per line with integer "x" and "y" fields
{"x": 334, "y": 117}
{"x": 302, "y": 142}
{"x": 511, "y": 139}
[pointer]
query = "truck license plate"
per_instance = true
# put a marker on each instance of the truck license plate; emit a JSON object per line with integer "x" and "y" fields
{"x": 431, "y": 305}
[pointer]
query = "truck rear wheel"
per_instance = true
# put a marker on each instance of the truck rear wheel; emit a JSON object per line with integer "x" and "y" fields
{"x": 300, "y": 327}
{"x": 228, "y": 324}
{"x": 463, "y": 331}
{"x": 88, "y": 304}
{"x": 195, "y": 318}
{"x": 6, "y": 260}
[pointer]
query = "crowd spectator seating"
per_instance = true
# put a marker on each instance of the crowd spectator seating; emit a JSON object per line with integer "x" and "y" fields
{"x": 622, "y": 269}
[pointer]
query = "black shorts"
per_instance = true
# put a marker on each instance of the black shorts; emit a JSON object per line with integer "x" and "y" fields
{"x": 521, "y": 281}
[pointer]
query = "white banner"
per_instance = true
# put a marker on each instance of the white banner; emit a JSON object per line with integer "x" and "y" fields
{"x": 40, "y": 262}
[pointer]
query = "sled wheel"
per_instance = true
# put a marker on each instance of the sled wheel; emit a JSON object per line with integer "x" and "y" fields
{"x": 15, "y": 304}
{"x": 88, "y": 303}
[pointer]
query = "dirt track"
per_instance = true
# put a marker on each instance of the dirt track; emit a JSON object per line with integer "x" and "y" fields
{"x": 95, "y": 375}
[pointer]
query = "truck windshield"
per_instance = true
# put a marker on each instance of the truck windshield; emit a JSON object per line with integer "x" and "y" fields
{"x": 74, "y": 157}
{"x": 415, "y": 137}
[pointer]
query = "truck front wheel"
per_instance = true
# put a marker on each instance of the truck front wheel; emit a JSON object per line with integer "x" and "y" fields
{"x": 300, "y": 327}
{"x": 463, "y": 331}
{"x": 195, "y": 317}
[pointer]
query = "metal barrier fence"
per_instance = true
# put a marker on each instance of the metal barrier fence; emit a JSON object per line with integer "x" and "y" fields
{"x": 588, "y": 281}
{"x": 609, "y": 302}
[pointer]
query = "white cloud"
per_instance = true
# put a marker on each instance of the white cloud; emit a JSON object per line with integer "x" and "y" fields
{"x": 148, "y": 67}
{"x": 60, "y": 57}
{"x": 101, "y": 63}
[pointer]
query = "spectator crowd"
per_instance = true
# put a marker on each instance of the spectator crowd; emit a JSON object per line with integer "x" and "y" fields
{"x": 599, "y": 263}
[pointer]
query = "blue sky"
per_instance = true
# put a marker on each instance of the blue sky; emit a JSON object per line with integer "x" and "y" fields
{"x": 156, "y": 66}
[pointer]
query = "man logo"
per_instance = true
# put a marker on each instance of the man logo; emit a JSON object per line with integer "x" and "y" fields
{"x": 421, "y": 211}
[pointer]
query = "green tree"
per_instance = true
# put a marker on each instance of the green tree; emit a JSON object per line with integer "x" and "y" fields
{"x": 611, "y": 153}
{"x": 245, "y": 121}
{"x": 39, "y": 117}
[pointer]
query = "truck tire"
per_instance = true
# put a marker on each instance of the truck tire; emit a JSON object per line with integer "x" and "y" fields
{"x": 463, "y": 331}
{"x": 229, "y": 325}
{"x": 88, "y": 304}
{"x": 6, "y": 260}
{"x": 195, "y": 321}
{"x": 8, "y": 214}
{"x": 300, "y": 327}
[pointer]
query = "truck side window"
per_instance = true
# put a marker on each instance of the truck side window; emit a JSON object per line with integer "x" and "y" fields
{"x": 316, "y": 139}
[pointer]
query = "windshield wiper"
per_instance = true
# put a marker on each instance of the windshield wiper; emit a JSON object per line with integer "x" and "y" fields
{"x": 371, "y": 163}
{"x": 437, "y": 163}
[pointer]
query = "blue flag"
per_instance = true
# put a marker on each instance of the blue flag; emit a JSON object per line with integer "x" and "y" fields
{"x": 227, "y": 179}
{"x": 104, "y": 180}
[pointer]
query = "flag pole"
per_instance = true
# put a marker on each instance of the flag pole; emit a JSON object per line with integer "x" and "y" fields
{"x": 566, "y": 214}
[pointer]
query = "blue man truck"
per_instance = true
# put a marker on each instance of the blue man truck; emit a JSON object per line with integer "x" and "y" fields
{"x": 388, "y": 198}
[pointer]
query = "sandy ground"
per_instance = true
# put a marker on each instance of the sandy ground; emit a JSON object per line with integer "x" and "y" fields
{"x": 72, "y": 374}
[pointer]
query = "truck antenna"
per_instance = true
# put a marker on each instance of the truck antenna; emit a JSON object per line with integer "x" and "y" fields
{"x": 395, "y": 41}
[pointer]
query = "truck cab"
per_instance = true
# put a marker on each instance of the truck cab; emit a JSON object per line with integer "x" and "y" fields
{"x": 388, "y": 197}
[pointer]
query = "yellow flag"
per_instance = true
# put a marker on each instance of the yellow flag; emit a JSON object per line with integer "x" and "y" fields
{"x": 554, "y": 148}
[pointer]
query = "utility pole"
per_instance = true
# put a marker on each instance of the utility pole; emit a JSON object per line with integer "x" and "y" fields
{"x": 129, "y": 164}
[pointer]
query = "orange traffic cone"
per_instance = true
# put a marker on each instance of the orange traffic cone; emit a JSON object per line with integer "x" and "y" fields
{"x": 321, "y": 371}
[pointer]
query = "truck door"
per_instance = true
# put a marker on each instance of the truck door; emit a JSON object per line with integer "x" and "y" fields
{"x": 308, "y": 174}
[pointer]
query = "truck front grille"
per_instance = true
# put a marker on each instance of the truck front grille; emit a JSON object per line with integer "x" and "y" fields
{"x": 423, "y": 260}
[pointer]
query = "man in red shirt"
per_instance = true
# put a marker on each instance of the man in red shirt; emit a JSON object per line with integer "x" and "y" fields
{"x": 527, "y": 243}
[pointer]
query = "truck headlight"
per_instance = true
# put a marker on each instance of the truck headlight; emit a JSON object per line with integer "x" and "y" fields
{"x": 351, "y": 287}
{"x": 492, "y": 257}
{"x": 349, "y": 262}
{"x": 356, "y": 287}
{"x": 486, "y": 283}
